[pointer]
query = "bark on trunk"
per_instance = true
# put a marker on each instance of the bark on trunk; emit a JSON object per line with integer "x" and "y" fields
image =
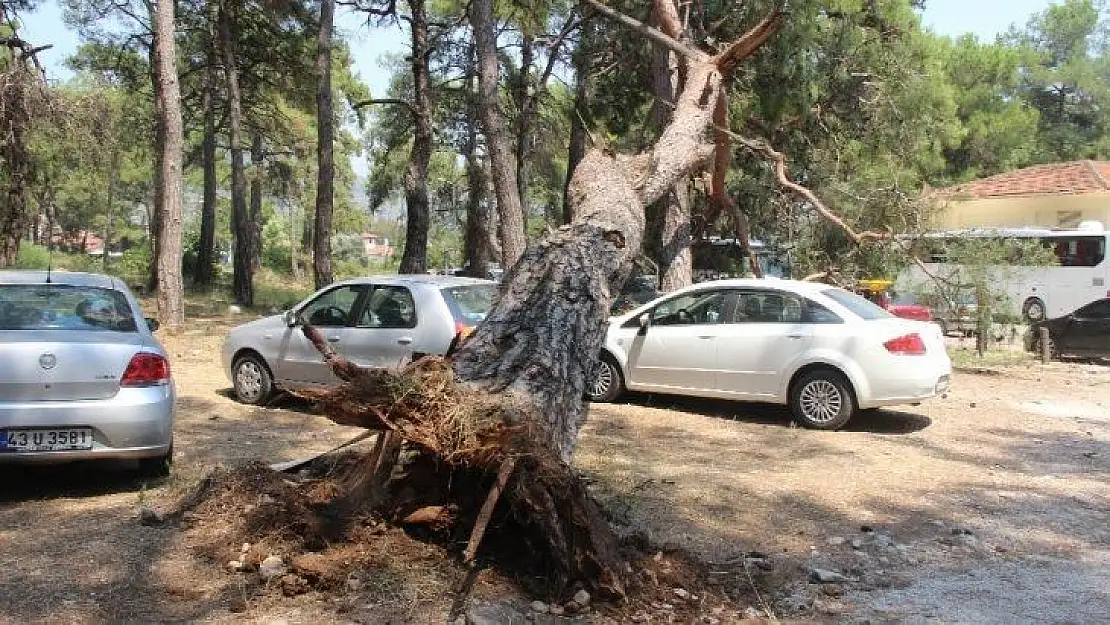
{"x": 258, "y": 172}
{"x": 675, "y": 260}
{"x": 17, "y": 160}
{"x": 171, "y": 296}
{"x": 510, "y": 210}
{"x": 582, "y": 61}
{"x": 325, "y": 130}
{"x": 243, "y": 278}
{"x": 110, "y": 201}
{"x": 526, "y": 100}
{"x": 206, "y": 247}
{"x": 156, "y": 213}
{"x": 477, "y": 250}
{"x": 414, "y": 259}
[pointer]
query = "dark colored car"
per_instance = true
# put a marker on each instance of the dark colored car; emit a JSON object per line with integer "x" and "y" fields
{"x": 1084, "y": 332}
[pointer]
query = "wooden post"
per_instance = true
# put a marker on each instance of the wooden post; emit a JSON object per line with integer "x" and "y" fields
{"x": 1045, "y": 341}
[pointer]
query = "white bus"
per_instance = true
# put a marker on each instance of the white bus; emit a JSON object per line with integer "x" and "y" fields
{"x": 1080, "y": 275}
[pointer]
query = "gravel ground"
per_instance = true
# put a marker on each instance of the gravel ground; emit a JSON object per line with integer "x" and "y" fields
{"x": 988, "y": 506}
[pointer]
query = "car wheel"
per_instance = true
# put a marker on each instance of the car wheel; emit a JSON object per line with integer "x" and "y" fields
{"x": 1033, "y": 310}
{"x": 158, "y": 466}
{"x": 607, "y": 383}
{"x": 822, "y": 400}
{"x": 252, "y": 380}
{"x": 942, "y": 325}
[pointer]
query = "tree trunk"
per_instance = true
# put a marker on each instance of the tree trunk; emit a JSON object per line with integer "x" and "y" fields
{"x": 243, "y": 278}
{"x": 325, "y": 130}
{"x": 113, "y": 181}
{"x": 18, "y": 161}
{"x": 525, "y": 117}
{"x": 414, "y": 259}
{"x": 206, "y": 247}
{"x": 258, "y": 156}
{"x": 171, "y": 295}
{"x": 154, "y": 216}
{"x": 582, "y": 61}
{"x": 510, "y": 210}
{"x": 674, "y": 260}
{"x": 476, "y": 243}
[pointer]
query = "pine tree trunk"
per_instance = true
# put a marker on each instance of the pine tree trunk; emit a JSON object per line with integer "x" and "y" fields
{"x": 17, "y": 160}
{"x": 258, "y": 172}
{"x": 674, "y": 258}
{"x": 476, "y": 243}
{"x": 243, "y": 278}
{"x": 171, "y": 296}
{"x": 510, "y": 210}
{"x": 526, "y": 100}
{"x": 325, "y": 131}
{"x": 414, "y": 259}
{"x": 206, "y": 247}
{"x": 154, "y": 224}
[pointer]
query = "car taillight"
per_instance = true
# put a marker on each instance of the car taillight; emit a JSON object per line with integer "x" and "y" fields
{"x": 910, "y": 345}
{"x": 146, "y": 369}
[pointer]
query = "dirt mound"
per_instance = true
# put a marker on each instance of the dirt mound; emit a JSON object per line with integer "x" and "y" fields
{"x": 284, "y": 535}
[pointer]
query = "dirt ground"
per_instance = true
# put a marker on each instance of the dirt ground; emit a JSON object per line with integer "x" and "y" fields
{"x": 989, "y": 505}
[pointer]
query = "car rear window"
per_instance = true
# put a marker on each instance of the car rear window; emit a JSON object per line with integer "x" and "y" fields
{"x": 859, "y": 306}
{"x": 64, "y": 307}
{"x": 471, "y": 303}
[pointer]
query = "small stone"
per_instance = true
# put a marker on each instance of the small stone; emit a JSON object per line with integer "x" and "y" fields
{"x": 245, "y": 548}
{"x": 867, "y": 529}
{"x": 235, "y": 565}
{"x": 658, "y": 557}
{"x": 857, "y": 543}
{"x": 556, "y": 609}
{"x": 717, "y": 611}
{"x": 709, "y": 620}
{"x": 539, "y": 607}
{"x": 293, "y": 585}
{"x": 354, "y": 584}
{"x": 149, "y": 516}
{"x": 682, "y": 593}
{"x": 582, "y": 598}
{"x": 459, "y": 621}
{"x": 835, "y": 540}
{"x": 937, "y": 522}
{"x": 235, "y": 310}
{"x": 238, "y": 605}
{"x": 751, "y": 612}
{"x": 832, "y": 590}
{"x": 972, "y": 404}
{"x": 572, "y": 607}
{"x": 666, "y": 606}
{"x": 271, "y": 567}
{"x": 824, "y": 576}
{"x": 639, "y": 617}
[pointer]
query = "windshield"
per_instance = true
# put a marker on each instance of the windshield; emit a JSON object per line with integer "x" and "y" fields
{"x": 64, "y": 307}
{"x": 470, "y": 304}
{"x": 856, "y": 304}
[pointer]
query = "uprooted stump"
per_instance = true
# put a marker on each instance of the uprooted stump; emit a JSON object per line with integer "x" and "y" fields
{"x": 457, "y": 444}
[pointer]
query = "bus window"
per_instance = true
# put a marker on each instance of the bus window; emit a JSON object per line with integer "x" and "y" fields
{"x": 1080, "y": 251}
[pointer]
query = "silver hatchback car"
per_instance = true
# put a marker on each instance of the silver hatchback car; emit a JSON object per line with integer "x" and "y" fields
{"x": 381, "y": 322}
{"x": 82, "y": 377}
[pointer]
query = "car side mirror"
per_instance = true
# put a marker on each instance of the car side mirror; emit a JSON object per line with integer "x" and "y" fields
{"x": 290, "y": 318}
{"x": 645, "y": 323}
{"x": 153, "y": 324}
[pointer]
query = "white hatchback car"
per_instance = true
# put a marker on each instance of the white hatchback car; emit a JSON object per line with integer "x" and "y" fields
{"x": 823, "y": 351}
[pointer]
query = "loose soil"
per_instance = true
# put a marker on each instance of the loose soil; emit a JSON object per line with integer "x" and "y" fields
{"x": 987, "y": 505}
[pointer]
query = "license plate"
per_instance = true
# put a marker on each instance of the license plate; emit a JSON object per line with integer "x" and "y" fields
{"x": 46, "y": 440}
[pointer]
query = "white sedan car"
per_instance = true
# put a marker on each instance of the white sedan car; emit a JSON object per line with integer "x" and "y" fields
{"x": 821, "y": 350}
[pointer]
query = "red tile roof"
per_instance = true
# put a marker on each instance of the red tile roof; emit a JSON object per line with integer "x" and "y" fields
{"x": 1074, "y": 178}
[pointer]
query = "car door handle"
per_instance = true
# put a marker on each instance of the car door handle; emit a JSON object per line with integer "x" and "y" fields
{"x": 707, "y": 336}
{"x": 793, "y": 336}
{"x": 405, "y": 340}
{"x": 333, "y": 339}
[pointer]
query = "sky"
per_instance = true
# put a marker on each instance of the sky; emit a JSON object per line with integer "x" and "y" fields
{"x": 984, "y": 18}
